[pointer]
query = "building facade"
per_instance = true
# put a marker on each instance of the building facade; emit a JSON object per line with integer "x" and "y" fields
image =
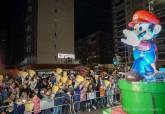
{"x": 49, "y": 31}
{"x": 119, "y": 23}
{"x": 3, "y": 47}
{"x": 81, "y": 50}
{"x": 14, "y": 25}
{"x": 30, "y": 49}
{"x": 55, "y": 30}
{"x": 159, "y": 10}
{"x": 96, "y": 48}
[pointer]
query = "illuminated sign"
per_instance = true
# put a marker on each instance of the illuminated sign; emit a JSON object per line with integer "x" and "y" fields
{"x": 62, "y": 56}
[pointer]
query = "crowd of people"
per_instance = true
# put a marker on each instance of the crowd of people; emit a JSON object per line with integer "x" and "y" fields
{"x": 82, "y": 89}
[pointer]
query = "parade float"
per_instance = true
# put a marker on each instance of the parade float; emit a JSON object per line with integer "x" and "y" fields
{"x": 143, "y": 90}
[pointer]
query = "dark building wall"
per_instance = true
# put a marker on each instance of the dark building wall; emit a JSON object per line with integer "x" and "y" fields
{"x": 14, "y": 25}
{"x": 30, "y": 49}
{"x": 93, "y": 51}
{"x": 16, "y": 17}
{"x": 96, "y": 48}
{"x": 4, "y": 28}
{"x": 12, "y": 32}
{"x": 81, "y": 51}
{"x": 106, "y": 48}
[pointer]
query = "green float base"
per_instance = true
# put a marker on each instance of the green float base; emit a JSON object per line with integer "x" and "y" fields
{"x": 142, "y": 97}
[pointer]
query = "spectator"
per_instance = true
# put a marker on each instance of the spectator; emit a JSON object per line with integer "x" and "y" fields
{"x": 58, "y": 101}
{"x": 102, "y": 95}
{"x": 91, "y": 95}
{"x": 109, "y": 95}
{"x": 36, "y": 102}
{"x": 20, "y": 106}
{"x": 76, "y": 99}
{"x": 83, "y": 97}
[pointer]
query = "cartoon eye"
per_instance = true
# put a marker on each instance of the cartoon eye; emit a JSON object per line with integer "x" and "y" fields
{"x": 135, "y": 28}
{"x": 140, "y": 28}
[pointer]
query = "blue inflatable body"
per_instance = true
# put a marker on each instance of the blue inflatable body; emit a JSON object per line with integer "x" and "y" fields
{"x": 143, "y": 60}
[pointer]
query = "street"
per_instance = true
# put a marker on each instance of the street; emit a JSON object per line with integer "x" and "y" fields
{"x": 92, "y": 112}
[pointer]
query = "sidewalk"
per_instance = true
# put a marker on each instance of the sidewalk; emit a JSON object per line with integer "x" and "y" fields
{"x": 92, "y": 112}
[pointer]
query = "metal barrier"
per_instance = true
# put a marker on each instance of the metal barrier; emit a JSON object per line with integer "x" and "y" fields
{"x": 74, "y": 106}
{"x": 96, "y": 103}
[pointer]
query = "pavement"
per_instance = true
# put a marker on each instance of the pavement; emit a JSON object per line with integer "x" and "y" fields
{"x": 99, "y": 111}
{"x": 92, "y": 112}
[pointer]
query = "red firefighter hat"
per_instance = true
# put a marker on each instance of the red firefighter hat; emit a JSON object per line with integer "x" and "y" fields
{"x": 143, "y": 16}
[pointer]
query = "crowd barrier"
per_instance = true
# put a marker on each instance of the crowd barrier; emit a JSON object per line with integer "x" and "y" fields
{"x": 73, "y": 106}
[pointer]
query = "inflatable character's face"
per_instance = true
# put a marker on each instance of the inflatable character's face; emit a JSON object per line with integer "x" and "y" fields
{"x": 146, "y": 31}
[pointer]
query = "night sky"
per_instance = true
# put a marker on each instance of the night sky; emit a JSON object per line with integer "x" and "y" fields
{"x": 11, "y": 13}
{"x": 91, "y": 16}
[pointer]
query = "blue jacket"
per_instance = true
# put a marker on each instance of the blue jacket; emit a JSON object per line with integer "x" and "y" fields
{"x": 59, "y": 99}
{"x": 76, "y": 96}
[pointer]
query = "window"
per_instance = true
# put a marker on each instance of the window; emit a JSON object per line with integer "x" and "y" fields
{"x": 120, "y": 33}
{"x": 161, "y": 48}
{"x": 120, "y": 12}
{"x": 29, "y": 28}
{"x": 55, "y": 10}
{"x": 161, "y": 56}
{"x": 29, "y": 8}
{"x": 55, "y": 57}
{"x": 162, "y": 34}
{"x": 28, "y": 49}
{"x": 119, "y": 2}
{"x": 121, "y": 27}
{"x": 28, "y": 38}
{"x": 162, "y": 19}
{"x": 29, "y": 1}
{"x": 55, "y": 34}
{"x": 55, "y": 46}
{"x": 55, "y": 23}
{"x": 121, "y": 49}
{"x": 121, "y": 22}
{"x": 120, "y": 17}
